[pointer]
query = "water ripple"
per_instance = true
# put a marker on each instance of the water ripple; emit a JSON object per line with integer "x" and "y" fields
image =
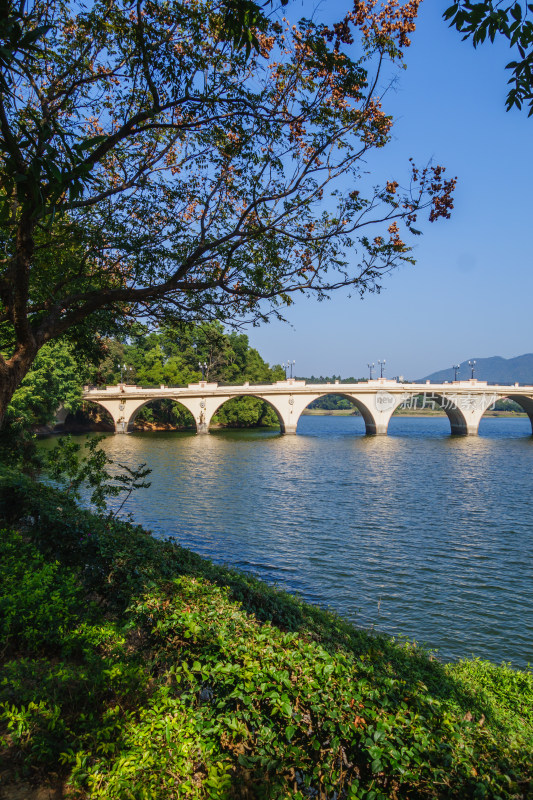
{"x": 417, "y": 533}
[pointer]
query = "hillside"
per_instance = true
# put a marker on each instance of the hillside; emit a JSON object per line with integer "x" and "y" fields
{"x": 493, "y": 370}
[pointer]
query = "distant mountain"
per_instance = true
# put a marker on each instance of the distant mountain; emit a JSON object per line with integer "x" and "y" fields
{"x": 493, "y": 370}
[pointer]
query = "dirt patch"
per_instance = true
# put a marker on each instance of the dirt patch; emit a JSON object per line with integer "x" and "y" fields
{"x": 25, "y": 791}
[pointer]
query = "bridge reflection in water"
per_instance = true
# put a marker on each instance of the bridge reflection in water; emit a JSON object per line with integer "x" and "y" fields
{"x": 464, "y": 402}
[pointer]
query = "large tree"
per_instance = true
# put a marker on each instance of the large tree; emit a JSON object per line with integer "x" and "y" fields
{"x": 192, "y": 160}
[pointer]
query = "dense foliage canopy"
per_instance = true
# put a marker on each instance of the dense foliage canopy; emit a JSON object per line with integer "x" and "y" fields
{"x": 173, "y": 357}
{"x": 56, "y": 379}
{"x": 194, "y": 160}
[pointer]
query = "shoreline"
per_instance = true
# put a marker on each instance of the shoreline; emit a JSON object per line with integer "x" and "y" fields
{"x": 319, "y": 412}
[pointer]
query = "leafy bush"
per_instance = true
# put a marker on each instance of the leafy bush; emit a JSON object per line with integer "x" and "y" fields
{"x": 38, "y": 600}
{"x": 66, "y": 465}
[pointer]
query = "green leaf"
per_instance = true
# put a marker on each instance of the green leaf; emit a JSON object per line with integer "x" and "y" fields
{"x": 290, "y": 730}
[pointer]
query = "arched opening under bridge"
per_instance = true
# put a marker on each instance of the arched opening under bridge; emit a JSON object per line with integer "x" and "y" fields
{"x": 166, "y": 414}
{"x": 456, "y": 416}
{"x": 513, "y": 405}
{"x": 339, "y": 404}
{"x": 422, "y": 405}
{"x": 246, "y": 411}
{"x": 427, "y": 405}
{"x": 93, "y": 415}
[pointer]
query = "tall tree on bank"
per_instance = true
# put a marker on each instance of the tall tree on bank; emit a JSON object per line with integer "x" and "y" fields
{"x": 154, "y": 163}
{"x": 480, "y": 21}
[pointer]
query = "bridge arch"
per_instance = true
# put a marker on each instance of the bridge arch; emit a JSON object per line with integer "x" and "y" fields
{"x": 111, "y": 412}
{"x": 465, "y": 409}
{"x": 157, "y": 400}
{"x": 523, "y": 400}
{"x": 124, "y": 409}
{"x": 214, "y": 407}
{"x": 458, "y": 421}
{"x": 460, "y": 425}
{"x": 362, "y": 407}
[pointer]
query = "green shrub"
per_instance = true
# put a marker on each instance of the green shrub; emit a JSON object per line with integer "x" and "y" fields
{"x": 38, "y": 599}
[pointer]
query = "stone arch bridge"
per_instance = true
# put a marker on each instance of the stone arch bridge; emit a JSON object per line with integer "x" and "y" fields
{"x": 464, "y": 402}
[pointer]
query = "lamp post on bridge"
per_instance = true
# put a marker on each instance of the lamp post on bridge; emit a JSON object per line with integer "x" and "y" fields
{"x": 371, "y": 367}
{"x": 456, "y": 368}
{"x": 472, "y": 365}
{"x": 124, "y": 368}
{"x": 381, "y": 367}
{"x": 203, "y": 367}
{"x": 288, "y": 366}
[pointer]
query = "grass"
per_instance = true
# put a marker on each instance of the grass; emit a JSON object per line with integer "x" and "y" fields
{"x": 133, "y": 668}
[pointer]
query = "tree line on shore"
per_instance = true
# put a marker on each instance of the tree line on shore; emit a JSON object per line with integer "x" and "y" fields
{"x": 170, "y": 356}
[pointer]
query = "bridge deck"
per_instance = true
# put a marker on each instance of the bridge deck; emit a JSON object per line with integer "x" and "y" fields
{"x": 301, "y": 387}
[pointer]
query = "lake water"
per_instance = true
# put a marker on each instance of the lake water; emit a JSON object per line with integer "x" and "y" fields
{"x": 417, "y": 533}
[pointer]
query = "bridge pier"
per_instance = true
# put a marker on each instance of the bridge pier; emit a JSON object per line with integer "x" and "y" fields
{"x": 61, "y": 416}
{"x": 465, "y": 414}
{"x": 376, "y": 428}
{"x": 376, "y": 413}
{"x": 464, "y": 429}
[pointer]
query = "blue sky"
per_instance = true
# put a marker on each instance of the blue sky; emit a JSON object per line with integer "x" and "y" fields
{"x": 470, "y": 292}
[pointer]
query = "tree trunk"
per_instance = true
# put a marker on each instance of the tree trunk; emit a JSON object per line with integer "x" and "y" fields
{"x": 13, "y": 370}
{"x": 11, "y": 374}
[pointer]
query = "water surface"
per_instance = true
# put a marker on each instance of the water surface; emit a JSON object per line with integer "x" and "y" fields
{"x": 417, "y": 533}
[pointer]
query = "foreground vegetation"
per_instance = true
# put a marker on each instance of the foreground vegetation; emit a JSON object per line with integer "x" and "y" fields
{"x": 133, "y": 668}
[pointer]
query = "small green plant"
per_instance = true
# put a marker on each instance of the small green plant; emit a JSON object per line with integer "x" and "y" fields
{"x": 65, "y": 465}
